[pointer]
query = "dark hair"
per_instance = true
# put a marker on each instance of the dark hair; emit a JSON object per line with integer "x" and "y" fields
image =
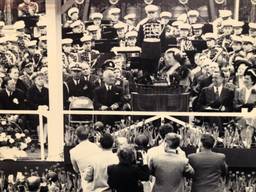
{"x": 207, "y": 141}
{"x": 164, "y": 129}
{"x": 9, "y": 70}
{"x": 34, "y": 184}
{"x": 126, "y": 154}
{"x": 106, "y": 141}
{"x": 82, "y": 133}
{"x": 5, "y": 81}
{"x": 142, "y": 140}
{"x": 252, "y": 73}
{"x": 174, "y": 140}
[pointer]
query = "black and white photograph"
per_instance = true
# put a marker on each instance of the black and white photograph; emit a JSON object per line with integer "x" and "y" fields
{"x": 127, "y": 95}
{"x": 132, "y": 55}
{"x": 162, "y": 153}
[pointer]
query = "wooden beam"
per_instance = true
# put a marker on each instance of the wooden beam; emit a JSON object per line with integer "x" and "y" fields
{"x": 66, "y": 6}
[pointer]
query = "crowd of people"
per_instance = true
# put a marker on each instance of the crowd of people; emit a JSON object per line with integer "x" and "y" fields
{"x": 214, "y": 62}
{"x": 23, "y": 60}
{"x": 115, "y": 165}
{"x": 24, "y": 64}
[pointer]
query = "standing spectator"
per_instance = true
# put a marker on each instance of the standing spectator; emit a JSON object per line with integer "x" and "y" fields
{"x": 10, "y": 97}
{"x": 209, "y": 167}
{"x": 96, "y": 173}
{"x": 125, "y": 176}
{"x": 169, "y": 168}
{"x": 150, "y": 37}
{"x": 27, "y": 8}
{"x": 80, "y": 153}
{"x": 73, "y": 14}
{"x": 38, "y": 96}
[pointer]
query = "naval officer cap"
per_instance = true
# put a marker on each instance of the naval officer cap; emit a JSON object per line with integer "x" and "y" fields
{"x": 72, "y": 11}
{"x": 166, "y": 14}
{"x": 114, "y": 11}
{"x": 119, "y": 26}
{"x": 86, "y": 38}
{"x": 225, "y": 13}
{"x": 197, "y": 26}
{"x": 151, "y": 8}
{"x": 209, "y": 36}
{"x": 130, "y": 16}
{"x": 236, "y": 38}
{"x": 193, "y": 13}
{"x": 184, "y": 26}
{"x": 131, "y": 34}
{"x": 248, "y": 39}
{"x": 92, "y": 28}
{"x": 96, "y": 16}
{"x": 252, "y": 26}
{"x": 66, "y": 41}
{"x": 75, "y": 67}
{"x": 237, "y": 24}
{"x": 227, "y": 23}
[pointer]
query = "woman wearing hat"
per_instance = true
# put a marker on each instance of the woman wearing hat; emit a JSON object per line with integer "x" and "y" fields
{"x": 245, "y": 97}
{"x": 38, "y": 95}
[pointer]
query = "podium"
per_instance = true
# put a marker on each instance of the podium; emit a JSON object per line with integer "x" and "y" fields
{"x": 159, "y": 98}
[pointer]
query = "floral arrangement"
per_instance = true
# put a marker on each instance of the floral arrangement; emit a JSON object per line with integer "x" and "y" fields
{"x": 13, "y": 140}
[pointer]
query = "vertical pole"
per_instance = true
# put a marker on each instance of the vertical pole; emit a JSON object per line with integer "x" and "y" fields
{"x": 55, "y": 117}
{"x": 212, "y": 10}
{"x": 41, "y": 136}
{"x": 236, "y": 13}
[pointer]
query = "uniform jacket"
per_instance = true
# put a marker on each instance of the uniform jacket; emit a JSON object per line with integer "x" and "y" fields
{"x": 36, "y": 97}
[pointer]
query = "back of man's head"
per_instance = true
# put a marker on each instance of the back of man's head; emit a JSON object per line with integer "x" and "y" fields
{"x": 165, "y": 129}
{"x": 172, "y": 140}
{"x": 33, "y": 183}
{"x": 106, "y": 141}
{"x": 207, "y": 141}
{"x": 82, "y": 133}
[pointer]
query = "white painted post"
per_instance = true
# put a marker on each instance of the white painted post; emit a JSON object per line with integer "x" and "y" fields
{"x": 55, "y": 117}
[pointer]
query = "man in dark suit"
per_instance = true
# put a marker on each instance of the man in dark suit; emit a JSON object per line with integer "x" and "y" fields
{"x": 209, "y": 167}
{"x": 76, "y": 85}
{"x": 108, "y": 96}
{"x": 216, "y": 97}
{"x": 10, "y": 97}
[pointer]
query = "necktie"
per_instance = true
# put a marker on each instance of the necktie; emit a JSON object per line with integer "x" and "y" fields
{"x": 218, "y": 91}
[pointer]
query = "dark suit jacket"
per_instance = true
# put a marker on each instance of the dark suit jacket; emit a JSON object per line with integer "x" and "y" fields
{"x": 209, "y": 167}
{"x": 36, "y": 98}
{"x": 108, "y": 98}
{"x": 14, "y": 102}
{"x": 125, "y": 178}
{"x": 84, "y": 88}
{"x": 208, "y": 98}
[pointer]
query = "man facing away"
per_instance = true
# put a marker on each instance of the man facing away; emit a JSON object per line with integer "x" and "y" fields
{"x": 210, "y": 167}
{"x": 170, "y": 168}
{"x": 96, "y": 173}
{"x": 79, "y": 154}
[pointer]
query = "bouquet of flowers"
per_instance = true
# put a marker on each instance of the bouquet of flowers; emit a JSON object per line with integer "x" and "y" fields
{"x": 13, "y": 140}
